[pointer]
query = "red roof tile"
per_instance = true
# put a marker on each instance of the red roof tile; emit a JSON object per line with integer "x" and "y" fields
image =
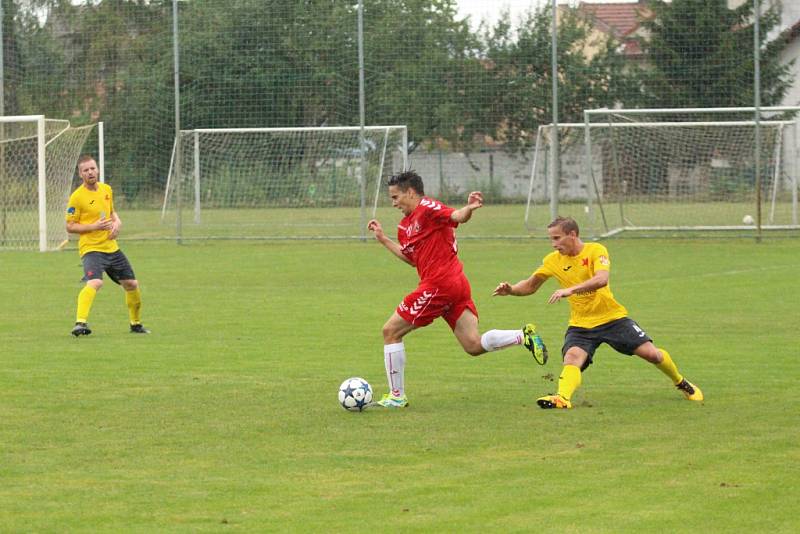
{"x": 619, "y": 19}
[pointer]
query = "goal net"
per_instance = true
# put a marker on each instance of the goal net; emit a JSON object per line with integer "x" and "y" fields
{"x": 37, "y": 164}
{"x": 673, "y": 170}
{"x": 280, "y": 182}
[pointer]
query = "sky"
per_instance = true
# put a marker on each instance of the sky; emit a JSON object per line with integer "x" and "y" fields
{"x": 479, "y": 9}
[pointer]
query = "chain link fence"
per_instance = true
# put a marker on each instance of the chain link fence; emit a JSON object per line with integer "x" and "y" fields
{"x": 472, "y": 96}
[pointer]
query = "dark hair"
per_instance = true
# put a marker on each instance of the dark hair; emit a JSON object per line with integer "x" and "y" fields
{"x": 567, "y": 224}
{"x": 407, "y": 179}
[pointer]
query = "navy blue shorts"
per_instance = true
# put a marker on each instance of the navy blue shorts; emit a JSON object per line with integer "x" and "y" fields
{"x": 623, "y": 335}
{"x": 115, "y": 264}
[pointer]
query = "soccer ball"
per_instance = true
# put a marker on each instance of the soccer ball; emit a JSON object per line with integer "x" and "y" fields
{"x": 355, "y": 394}
{"x": 748, "y": 219}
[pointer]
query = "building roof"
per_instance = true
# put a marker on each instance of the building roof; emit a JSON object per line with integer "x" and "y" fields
{"x": 621, "y": 20}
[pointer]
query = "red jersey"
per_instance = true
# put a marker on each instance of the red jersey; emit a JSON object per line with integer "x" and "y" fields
{"x": 428, "y": 239}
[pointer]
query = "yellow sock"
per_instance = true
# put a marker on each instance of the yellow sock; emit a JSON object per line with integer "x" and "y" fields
{"x": 134, "y": 301}
{"x": 85, "y": 299}
{"x": 569, "y": 381}
{"x": 668, "y": 367}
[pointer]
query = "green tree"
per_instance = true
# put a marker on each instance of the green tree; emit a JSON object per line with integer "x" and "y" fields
{"x": 701, "y": 55}
{"x": 518, "y": 63}
{"x": 424, "y": 70}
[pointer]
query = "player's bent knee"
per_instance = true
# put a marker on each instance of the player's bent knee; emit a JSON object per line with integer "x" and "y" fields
{"x": 95, "y": 284}
{"x": 473, "y": 347}
{"x": 475, "y": 351}
{"x": 390, "y": 335}
{"x": 129, "y": 285}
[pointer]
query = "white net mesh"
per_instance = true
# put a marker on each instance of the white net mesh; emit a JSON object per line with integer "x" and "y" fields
{"x": 247, "y": 183}
{"x": 672, "y": 172}
{"x": 20, "y": 221}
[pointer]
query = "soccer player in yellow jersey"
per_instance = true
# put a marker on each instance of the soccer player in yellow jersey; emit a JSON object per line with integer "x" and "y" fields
{"x": 582, "y": 270}
{"x": 91, "y": 214}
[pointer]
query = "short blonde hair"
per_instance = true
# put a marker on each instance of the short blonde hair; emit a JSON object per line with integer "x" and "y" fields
{"x": 567, "y": 224}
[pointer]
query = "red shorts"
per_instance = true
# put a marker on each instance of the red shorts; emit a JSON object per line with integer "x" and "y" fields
{"x": 447, "y": 298}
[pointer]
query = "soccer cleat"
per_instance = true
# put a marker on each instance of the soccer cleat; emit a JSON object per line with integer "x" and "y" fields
{"x": 553, "y": 401}
{"x": 689, "y": 390}
{"x": 390, "y": 401}
{"x": 139, "y": 329}
{"x": 81, "y": 329}
{"x": 534, "y": 343}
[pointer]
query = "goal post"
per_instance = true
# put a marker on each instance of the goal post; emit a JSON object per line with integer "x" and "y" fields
{"x": 676, "y": 170}
{"x": 251, "y": 182}
{"x": 37, "y": 164}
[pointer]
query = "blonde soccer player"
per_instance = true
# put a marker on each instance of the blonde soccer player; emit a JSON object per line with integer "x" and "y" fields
{"x": 91, "y": 215}
{"x": 582, "y": 270}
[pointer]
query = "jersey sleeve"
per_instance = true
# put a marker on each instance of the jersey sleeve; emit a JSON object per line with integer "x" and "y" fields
{"x": 600, "y": 259}
{"x": 546, "y": 268}
{"x": 438, "y": 212}
{"x": 73, "y": 209}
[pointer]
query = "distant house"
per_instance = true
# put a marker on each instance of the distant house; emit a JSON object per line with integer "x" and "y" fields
{"x": 620, "y": 20}
{"x": 790, "y": 32}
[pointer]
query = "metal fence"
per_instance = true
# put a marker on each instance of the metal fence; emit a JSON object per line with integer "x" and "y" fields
{"x": 472, "y": 95}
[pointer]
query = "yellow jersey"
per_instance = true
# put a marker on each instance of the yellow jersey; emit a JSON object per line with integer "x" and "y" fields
{"x": 591, "y": 308}
{"x": 87, "y": 207}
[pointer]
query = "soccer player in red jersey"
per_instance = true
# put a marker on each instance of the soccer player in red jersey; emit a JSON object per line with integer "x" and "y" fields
{"x": 426, "y": 240}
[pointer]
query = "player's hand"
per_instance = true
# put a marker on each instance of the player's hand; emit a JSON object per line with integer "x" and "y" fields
{"x": 103, "y": 224}
{"x": 558, "y": 295}
{"x": 375, "y": 226}
{"x": 502, "y": 289}
{"x": 475, "y": 200}
{"x": 114, "y": 232}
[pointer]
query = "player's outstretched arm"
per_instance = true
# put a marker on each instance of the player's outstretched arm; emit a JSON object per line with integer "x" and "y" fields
{"x": 600, "y": 279}
{"x": 474, "y": 201}
{"x": 521, "y": 288}
{"x": 375, "y": 227}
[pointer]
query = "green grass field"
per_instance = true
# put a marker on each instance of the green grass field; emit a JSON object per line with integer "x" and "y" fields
{"x": 225, "y": 419}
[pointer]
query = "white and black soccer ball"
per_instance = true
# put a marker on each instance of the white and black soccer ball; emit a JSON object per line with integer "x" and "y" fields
{"x": 355, "y": 394}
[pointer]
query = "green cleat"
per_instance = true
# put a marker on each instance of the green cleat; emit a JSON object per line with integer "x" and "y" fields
{"x": 534, "y": 343}
{"x": 390, "y": 401}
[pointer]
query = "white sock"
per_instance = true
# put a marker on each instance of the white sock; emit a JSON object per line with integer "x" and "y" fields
{"x": 394, "y": 358}
{"x": 500, "y": 339}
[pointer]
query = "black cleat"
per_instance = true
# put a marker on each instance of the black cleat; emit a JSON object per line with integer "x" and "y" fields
{"x": 81, "y": 329}
{"x": 139, "y": 329}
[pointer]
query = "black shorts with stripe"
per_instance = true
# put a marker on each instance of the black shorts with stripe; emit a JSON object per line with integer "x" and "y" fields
{"x": 115, "y": 264}
{"x": 623, "y": 335}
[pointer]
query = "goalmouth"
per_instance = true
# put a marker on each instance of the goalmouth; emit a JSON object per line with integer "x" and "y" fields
{"x": 249, "y": 183}
{"x": 37, "y": 164}
{"x": 670, "y": 171}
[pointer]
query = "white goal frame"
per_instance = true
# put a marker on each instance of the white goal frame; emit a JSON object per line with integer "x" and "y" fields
{"x": 46, "y": 241}
{"x": 370, "y": 199}
{"x": 593, "y": 198}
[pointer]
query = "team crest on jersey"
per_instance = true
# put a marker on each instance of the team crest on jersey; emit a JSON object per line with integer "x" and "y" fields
{"x": 604, "y": 260}
{"x": 71, "y": 210}
{"x": 415, "y": 229}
